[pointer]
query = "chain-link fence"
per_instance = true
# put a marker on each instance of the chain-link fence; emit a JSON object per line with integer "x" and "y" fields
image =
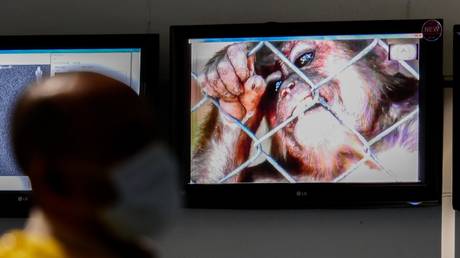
{"x": 300, "y": 110}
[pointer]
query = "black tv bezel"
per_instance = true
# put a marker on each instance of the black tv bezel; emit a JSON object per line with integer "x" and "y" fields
{"x": 455, "y": 139}
{"x": 18, "y": 203}
{"x": 304, "y": 195}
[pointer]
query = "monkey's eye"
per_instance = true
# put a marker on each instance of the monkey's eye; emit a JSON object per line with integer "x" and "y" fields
{"x": 278, "y": 85}
{"x": 305, "y": 59}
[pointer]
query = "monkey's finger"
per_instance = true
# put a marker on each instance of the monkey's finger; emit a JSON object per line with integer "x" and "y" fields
{"x": 254, "y": 89}
{"x": 255, "y": 85}
{"x": 205, "y": 86}
{"x": 229, "y": 77}
{"x": 218, "y": 86}
{"x": 237, "y": 56}
{"x": 251, "y": 62}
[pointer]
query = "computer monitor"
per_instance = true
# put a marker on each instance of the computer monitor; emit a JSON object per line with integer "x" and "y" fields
{"x": 309, "y": 114}
{"x": 131, "y": 59}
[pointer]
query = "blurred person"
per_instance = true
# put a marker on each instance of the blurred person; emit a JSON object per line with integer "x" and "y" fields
{"x": 101, "y": 185}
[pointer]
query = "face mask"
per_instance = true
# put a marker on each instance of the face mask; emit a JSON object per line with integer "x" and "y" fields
{"x": 148, "y": 195}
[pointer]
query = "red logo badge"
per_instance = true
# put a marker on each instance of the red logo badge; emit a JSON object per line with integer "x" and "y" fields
{"x": 432, "y": 30}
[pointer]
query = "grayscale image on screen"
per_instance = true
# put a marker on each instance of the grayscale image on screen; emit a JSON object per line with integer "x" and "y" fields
{"x": 13, "y": 80}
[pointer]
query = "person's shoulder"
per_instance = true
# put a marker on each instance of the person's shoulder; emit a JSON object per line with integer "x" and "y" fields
{"x": 19, "y": 244}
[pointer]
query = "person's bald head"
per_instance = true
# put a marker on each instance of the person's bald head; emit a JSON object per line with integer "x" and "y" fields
{"x": 83, "y": 116}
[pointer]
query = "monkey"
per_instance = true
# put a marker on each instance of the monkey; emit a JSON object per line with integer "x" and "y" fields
{"x": 369, "y": 96}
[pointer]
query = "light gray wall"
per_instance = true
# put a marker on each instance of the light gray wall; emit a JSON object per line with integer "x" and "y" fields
{"x": 137, "y": 16}
{"x": 402, "y": 233}
{"x": 178, "y": 12}
{"x": 306, "y": 233}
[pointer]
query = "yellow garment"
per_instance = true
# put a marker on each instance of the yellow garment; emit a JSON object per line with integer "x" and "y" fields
{"x": 19, "y": 244}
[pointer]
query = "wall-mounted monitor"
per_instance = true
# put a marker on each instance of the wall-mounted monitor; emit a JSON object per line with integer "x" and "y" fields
{"x": 24, "y": 60}
{"x": 317, "y": 114}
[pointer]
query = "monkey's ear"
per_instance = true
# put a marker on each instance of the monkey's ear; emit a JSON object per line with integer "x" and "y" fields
{"x": 399, "y": 87}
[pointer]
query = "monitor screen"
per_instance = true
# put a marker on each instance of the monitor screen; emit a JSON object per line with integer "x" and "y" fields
{"x": 309, "y": 114}
{"x": 305, "y": 109}
{"x": 21, "y": 68}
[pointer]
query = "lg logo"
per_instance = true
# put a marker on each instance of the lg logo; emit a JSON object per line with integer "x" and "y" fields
{"x": 23, "y": 198}
{"x": 301, "y": 194}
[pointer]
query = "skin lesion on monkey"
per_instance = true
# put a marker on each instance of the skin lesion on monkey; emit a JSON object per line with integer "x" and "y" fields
{"x": 371, "y": 95}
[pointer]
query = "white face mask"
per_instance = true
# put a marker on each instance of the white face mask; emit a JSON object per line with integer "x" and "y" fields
{"x": 148, "y": 194}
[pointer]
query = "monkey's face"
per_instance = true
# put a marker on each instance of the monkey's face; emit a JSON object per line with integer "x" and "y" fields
{"x": 318, "y": 138}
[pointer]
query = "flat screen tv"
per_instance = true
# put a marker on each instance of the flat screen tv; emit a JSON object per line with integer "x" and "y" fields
{"x": 456, "y": 139}
{"x": 320, "y": 114}
{"x": 131, "y": 59}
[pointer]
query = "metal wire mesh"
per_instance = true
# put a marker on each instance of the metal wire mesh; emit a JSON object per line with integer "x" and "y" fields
{"x": 300, "y": 110}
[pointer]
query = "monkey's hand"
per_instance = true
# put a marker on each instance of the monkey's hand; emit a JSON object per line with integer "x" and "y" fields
{"x": 229, "y": 76}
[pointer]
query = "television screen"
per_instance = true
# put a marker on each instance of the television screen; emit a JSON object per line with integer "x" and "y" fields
{"x": 294, "y": 109}
{"x": 25, "y": 60}
{"x": 308, "y": 113}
